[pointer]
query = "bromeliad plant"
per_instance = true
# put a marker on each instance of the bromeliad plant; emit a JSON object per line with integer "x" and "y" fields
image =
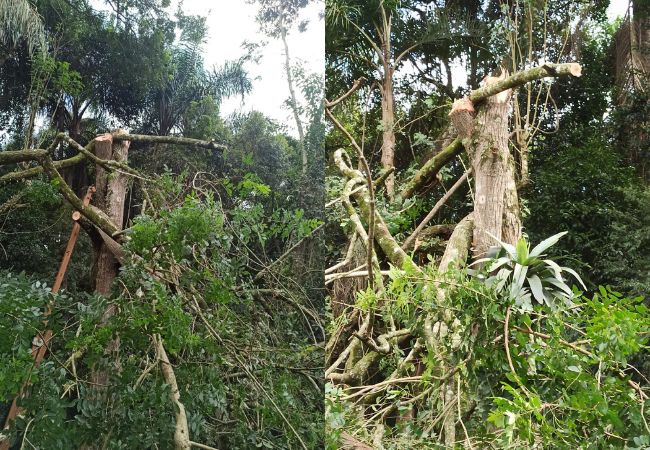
{"x": 523, "y": 274}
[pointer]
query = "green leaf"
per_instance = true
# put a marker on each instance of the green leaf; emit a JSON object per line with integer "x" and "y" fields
{"x": 512, "y": 251}
{"x": 556, "y": 268}
{"x": 546, "y": 243}
{"x": 536, "y": 288}
{"x": 575, "y": 275}
{"x": 522, "y": 251}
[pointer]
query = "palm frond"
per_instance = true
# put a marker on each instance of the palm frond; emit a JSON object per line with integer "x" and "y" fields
{"x": 19, "y": 21}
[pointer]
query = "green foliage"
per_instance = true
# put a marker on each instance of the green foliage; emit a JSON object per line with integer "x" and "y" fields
{"x": 234, "y": 345}
{"x": 590, "y": 192}
{"x": 22, "y": 304}
{"x": 518, "y": 271}
{"x": 572, "y": 369}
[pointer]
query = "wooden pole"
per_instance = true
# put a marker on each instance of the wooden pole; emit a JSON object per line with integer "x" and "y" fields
{"x": 42, "y": 340}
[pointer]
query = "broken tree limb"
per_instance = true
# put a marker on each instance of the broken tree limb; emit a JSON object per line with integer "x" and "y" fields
{"x": 181, "y": 431}
{"x": 92, "y": 213}
{"x": 12, "y": 157}
{"x": 22, "y": 174}
{"x": 121, "y": 136}
{"x": 459, "y": 244}
{"x": 107, "y": 164}
{"x": 525, "y": 76}
{"x": 443, "y": 231}
{"x": 431, "y": 168}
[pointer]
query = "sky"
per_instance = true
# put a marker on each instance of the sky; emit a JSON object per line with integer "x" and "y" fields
{"x": 617, "y": 8}
{"x": 230, "y": 23}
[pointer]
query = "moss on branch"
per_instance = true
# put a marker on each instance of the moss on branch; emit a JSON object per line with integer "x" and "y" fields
{"x": 382, "y": 235}
{"x": 92, "y": 213}
{"x": 168, "y": 140}
{"x": 22, "y": 174}
{"x": 526, "y": 76}
{"x": 12, "y": 157}
{"x": 431, "y": 168}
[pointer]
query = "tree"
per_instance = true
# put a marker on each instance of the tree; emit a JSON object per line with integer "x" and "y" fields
{"x": 20, "y": 22}
{"x": 426, "y": 352}
{"x": 276, "y": 18}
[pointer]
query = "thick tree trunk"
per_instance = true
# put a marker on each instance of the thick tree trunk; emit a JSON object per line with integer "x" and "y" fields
{"x": 485, "y": 137}
{"x": 640, "y": 45}
{"x": 111, "y": 193}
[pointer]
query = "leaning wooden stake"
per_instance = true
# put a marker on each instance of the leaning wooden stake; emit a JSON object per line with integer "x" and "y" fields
{"x": 42, "y": 341}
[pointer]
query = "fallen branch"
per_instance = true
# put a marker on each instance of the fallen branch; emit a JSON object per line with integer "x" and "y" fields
{"x": 92, "y": 213}
{"x": 287, "y": 253}
{"x": 181, "y": 433}
{"x": 176, "y": 140}
{"x": 22, "y": 174}
{"x": 525, "y": 76}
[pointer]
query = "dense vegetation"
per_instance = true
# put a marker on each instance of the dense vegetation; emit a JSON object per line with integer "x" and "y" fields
{"x": 218, "y": 278}
{"x": 454, "y": 329}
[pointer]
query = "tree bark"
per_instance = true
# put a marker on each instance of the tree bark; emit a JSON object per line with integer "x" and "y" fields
{"x": 496, "y": 205}
{"x": 388, "y": 122}
{"x": 111, "y": 193}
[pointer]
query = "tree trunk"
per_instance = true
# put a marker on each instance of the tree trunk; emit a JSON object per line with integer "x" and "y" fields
{"x": 293, "y": 100}
{"x": 111, "y": 193}
{"x": 640, "y": 45}
{"x": 496, "y": 203}
{"x": 388, "y": 125}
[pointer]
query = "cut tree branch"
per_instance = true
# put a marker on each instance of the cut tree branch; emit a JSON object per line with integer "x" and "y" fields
{"x": 525, "y": 76}
{"x": 168, "y": 140}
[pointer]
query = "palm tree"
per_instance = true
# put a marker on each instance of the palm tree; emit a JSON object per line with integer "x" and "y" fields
{"x": 20, "y": 22}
